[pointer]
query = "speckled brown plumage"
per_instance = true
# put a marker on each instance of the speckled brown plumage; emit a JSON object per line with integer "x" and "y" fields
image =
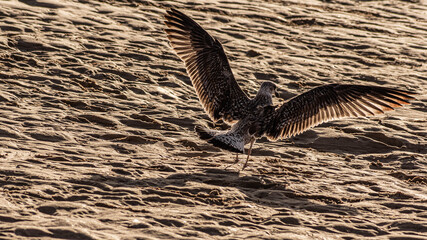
{"x": 222, "y": 98}
{"x": 207, "y": 66}
{"x": 330, "y": 102}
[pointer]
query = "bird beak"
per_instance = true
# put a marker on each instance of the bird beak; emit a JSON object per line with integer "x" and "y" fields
{"x": 276, "y": 93}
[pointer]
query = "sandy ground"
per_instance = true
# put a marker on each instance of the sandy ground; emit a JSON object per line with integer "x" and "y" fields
{"x": 97, "y": 116}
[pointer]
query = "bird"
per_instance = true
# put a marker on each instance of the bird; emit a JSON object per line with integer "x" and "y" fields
{"x": 252, "y": 118}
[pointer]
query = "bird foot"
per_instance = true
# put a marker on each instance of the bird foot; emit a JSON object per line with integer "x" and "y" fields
{"x": 236, "y": 161}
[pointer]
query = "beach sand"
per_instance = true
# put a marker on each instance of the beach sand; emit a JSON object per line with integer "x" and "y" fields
{"x": 97, "y": 118}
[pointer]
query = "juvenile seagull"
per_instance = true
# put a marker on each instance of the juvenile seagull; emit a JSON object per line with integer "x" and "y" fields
{"x": 222, "y": 98}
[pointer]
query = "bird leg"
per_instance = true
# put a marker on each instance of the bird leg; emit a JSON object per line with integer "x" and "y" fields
{"x": 235, "y": 161}
{"x": 249, "y": 153}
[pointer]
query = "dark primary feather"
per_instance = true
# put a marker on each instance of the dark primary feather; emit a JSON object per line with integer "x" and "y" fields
{"x": 207, "y": 66}
{"x": 329, "y": 102}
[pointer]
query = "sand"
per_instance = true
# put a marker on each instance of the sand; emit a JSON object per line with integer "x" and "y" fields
{"x": 97, "y": 118}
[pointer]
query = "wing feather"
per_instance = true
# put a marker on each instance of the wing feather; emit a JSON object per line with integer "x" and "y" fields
{"x": 207, "y": 66}
{"x": 329, "y": 102}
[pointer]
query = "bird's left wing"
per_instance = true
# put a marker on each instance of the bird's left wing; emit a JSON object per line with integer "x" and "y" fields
{"x": 207, "y": 66}
{"x": 330, "y": 102}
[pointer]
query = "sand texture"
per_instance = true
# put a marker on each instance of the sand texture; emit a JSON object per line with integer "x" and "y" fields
{"x": 97, "y": 118}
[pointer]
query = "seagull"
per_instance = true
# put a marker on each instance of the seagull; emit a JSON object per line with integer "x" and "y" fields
{"x": 252, "y": 118}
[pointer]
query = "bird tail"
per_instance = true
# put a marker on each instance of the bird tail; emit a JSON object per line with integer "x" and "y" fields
{"x": 204, "y": 133}
{"x": 227, "y": 140}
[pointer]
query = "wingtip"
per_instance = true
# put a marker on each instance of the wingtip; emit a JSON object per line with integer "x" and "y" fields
{"x": 406, "y": 95}
{"x": 171, "y": 12}
{"x": 409, "y": 92}
{"x": 168, "y": 12}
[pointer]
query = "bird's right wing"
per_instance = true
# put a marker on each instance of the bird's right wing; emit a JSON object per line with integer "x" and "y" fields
{"x": 207, "y": 66}
{"x": 329, "y": 102}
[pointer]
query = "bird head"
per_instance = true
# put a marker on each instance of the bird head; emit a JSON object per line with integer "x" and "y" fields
{"x": 268, "y": 88}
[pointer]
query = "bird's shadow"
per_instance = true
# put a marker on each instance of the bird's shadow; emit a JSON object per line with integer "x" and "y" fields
{"x": 355, "y": 144}
{"x": 207, "y": 186}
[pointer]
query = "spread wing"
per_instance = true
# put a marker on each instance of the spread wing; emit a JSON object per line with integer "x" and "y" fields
{"x": 207, "y": 66}
{"x": 330, "y": 102}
